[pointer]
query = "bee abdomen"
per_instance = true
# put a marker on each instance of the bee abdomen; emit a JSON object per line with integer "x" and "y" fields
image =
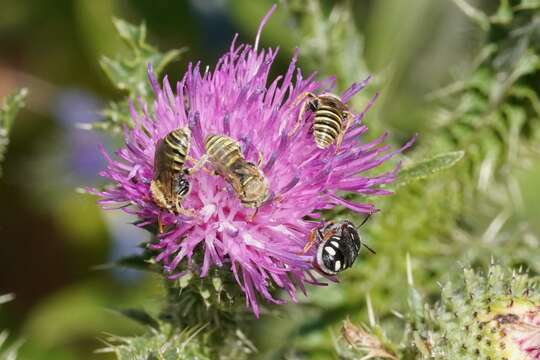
{"x": 223, "y": 150}
{"x": 177, "y": 142}
{"x": 327, "y": 126}
{"x": 338, "y": 255}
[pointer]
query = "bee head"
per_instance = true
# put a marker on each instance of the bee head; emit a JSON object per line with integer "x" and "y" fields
{"x": 182, "y": 187}
{"x": 255, "y": 189}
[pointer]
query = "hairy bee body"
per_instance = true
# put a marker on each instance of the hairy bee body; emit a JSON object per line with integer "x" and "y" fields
{"x": 246, "y": 179}
{"x": 169, "y": 184}
{"x": 331, "y": 118}
{"x": 223, "y": 152}
{"x": 339, "y": 246}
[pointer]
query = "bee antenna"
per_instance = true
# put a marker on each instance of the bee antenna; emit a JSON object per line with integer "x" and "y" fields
{"x": 364, "y": 221}
{"x": 370, "y": 249}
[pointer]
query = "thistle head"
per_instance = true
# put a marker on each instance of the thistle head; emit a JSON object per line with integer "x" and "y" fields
{"x": 495, "y": 316}
{"x": 291, "y": 184}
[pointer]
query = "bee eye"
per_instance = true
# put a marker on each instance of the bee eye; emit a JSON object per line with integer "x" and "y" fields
{"x": 313, "y": 105}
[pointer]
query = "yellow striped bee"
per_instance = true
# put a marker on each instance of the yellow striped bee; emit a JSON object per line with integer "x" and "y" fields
{"x": 169, "y": 185}
{"x": 332, "y": 118}
{"x": 246, "y": 178}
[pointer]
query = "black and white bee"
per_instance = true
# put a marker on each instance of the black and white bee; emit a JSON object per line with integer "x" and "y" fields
{"x": 338, "y": 246}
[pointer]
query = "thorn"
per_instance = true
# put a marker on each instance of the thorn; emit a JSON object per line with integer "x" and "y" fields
{"x": 371, "y": 313}
{"x": 410, "y": 279}
{"x": 397, "y": 314}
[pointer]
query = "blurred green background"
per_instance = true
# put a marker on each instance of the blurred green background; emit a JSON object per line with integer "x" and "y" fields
{"x": 52, "y": 238}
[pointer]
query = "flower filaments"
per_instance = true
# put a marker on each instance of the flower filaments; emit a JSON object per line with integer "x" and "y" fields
{"x": 237, "y": 99}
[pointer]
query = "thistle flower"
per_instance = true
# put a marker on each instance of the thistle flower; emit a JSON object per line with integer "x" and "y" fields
{"x": 237, "y": 99}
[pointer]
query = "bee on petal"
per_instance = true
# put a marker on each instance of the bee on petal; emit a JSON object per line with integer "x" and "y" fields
{"x": 247, "y": 179}
{"x": 170, "y": 184}
{"x": 332, "y": 119}
{"x": 338, "y": 246}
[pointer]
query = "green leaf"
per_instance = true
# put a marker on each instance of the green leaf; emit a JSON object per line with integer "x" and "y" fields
{"x": 426, "y": 168}
{"x": 142, "y": 262}
{"x": 128, "y": 73}
{"x": 8, "y": 111}
{"x": 141, "y": 317}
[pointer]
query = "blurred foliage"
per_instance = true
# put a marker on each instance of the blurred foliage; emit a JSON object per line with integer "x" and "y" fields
{"x": 7, "y": 352}
{"x": 329, "y": 43}
{"x": 130, "y": 74}
{"x": 8, "y": 111}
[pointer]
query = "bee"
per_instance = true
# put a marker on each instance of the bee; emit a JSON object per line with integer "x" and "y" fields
{"x": 339, "y": 246}
{"x": 169, "y": 184}
{"x": 247, "y": 180}
{"x": 332, "y": 119}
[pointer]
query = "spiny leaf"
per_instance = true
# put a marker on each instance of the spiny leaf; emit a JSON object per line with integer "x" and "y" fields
{"x": 426, "y": 168}
{"x": 8, "y": 111}
{"x": 128, "y": 73}
{"x": 166, "y": 344}
{"x": 366, "y": 342}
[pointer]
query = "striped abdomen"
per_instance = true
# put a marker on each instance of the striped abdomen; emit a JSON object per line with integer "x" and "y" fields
{"x": 327, "y": 125}
{"x": 223, "y": 151}
{"x": 246, "y": 179}
{"x": 169, "y": 185}
{"x": 173, "y": 149}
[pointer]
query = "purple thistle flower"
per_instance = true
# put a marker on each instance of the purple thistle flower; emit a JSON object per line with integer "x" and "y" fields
{"x": 239, "y": 100}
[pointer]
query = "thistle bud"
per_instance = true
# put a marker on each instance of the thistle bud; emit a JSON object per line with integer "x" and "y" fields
{"x": 493, "y": 316}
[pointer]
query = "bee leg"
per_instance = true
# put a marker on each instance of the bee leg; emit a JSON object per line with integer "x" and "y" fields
{"x": 198, "y": 164}
{"x": 182, "y": 211}
{"x": 302, "y": 110}
{"x": 160, "y": 225}
{"x": 261, "y": 159}
{"x": 311, "y": 241}
{"x": 329, "y": 235}
{"x": 350, "y": 120}
{"x": 252, "y": 216}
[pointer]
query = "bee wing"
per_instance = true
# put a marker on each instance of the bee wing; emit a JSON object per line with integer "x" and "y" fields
{"x": 162, "y": 169}
{"x": 160, "y": 159}
{"x": 247, "y": 169}
{"x": 236, "y": 183}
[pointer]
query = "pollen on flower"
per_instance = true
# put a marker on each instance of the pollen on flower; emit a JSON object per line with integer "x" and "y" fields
{"x": 262, "y": 247}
